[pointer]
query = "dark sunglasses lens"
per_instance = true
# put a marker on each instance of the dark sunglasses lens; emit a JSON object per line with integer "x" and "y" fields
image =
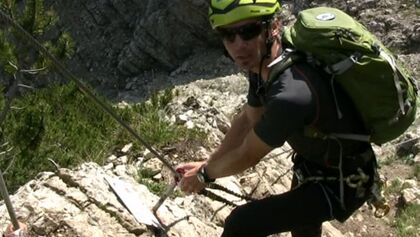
{"x": 250, "y": 31}
{"x": 227, "y": 34}
{"x": 246, "y": 32}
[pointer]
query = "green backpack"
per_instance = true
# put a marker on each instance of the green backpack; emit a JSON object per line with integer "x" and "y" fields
{"x": 382, "y": 92}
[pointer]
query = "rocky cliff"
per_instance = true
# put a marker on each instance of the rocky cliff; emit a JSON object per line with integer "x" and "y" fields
{"x": 140, "y": 46}
{"x": 81, "y": 202}
{"x": 118, "y": 41}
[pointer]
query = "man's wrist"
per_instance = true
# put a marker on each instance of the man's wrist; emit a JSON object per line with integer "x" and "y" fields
{"x": 203, "y": 176}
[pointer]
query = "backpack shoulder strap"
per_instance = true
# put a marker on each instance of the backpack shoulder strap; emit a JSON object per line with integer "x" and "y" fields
{"x": 286, "y": 60}
{"x": 280, "y": 64}
{"x": 283, "y": 62}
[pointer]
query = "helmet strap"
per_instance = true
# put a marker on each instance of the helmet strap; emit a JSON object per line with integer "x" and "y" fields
{"x": 268, "y": 44}
{"x": 269, "y": 41}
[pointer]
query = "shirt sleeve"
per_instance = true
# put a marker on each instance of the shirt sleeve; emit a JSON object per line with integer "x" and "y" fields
{"x": 280, "y": 120}
{"x": 289, "y": 103}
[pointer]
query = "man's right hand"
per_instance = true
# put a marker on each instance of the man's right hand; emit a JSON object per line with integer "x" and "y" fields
{"x": 10, "y": 232}
{"x": 189, "y": 182}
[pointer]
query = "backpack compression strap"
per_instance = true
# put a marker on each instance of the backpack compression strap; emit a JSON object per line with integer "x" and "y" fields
{"x": 281, "y": 63}
{"x": 394, "y": 67}
{"x": 346, "y": 64}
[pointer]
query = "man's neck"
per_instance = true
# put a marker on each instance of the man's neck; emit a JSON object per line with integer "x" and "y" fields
{"x": 276, "y": 51}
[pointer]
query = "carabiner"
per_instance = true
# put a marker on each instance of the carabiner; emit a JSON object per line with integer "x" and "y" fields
{"x": 354, "y": 181}
{"x": 381, "y": 209}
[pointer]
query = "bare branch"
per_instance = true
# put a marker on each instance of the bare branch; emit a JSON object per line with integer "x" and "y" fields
{"x": 9, "y": 96}
{"x": 6, "y": 151}
{"x": 26, "y": 86}
{"x": 13, "y": 65}
{"x": 33, "y": 71}
{"x": 57, "y": 166}
{"x": 10, "y": 163}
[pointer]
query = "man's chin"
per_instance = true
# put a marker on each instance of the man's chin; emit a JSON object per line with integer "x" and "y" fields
{"x": 245, "y": 65}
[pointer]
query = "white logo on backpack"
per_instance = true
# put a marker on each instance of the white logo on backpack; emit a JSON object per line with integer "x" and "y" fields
{"x": 326, "y": 17}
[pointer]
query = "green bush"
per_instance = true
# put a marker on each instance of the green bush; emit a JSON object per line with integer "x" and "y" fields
{"x": 158, "y": 188}
{"x": 145, "y": 176}
{"x": 416, "y": 171}
{"x": 394, "y": 188}
{"x": 408, "y": 222}
{"x": 60, "y": 123}
{"x": 57, "y": 123}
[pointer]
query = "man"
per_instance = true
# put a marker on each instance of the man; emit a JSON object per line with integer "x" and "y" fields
{"x": 10, "y": 232}
{"x": 278, "y": 111}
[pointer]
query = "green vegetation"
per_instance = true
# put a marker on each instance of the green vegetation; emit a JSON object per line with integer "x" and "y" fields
{"x": 16, "y": 52}
{"x": 416, "y": 171}
{"x": 153, "y": 125}
{"x": 408, "y": 221}
{"x": 145, "y": 178}
{"x": 57, "y": 122}
{"x": 394, "y": 187}
{"x": 384, "y": 161}
{"x": 21, "y": 63}
{"x": 62, "y": 124}
{"x": 407, "y": 158}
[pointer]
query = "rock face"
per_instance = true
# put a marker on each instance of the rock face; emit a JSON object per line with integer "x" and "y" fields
{"x": 80, "y": 202}
{"x": 120, "y": 40}
{"x": 142, "y": 45}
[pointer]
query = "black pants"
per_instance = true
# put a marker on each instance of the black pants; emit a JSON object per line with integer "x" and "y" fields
{"x": 301, "y": 210}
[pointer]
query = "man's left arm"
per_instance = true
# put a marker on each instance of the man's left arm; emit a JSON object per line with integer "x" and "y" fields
{"x": 244, "y": 156}
{"x": 248, "y": 154}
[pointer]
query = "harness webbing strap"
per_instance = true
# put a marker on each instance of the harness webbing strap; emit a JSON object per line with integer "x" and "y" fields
{"x": 350, "y": 136}
{"x": 311, "y": 131}
{"x": 391, "y": 62}
{"x": 337, "y": 107}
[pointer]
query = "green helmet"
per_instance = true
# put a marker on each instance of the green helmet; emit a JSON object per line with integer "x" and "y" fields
{"x": 224, "y": 12}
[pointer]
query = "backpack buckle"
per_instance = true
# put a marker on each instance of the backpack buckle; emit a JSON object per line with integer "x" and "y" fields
{"x": 343, "y": 65}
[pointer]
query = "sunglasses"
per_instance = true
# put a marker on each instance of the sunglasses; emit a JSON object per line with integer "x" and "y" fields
{"x": 246, "y": 32}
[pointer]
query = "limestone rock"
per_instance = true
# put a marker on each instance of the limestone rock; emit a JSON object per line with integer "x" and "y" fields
{"x": 80, "y": 203}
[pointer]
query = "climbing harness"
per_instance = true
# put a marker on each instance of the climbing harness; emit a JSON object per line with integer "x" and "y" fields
{"x": 356, "y": 181}
{"x": 353, "y": 180}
